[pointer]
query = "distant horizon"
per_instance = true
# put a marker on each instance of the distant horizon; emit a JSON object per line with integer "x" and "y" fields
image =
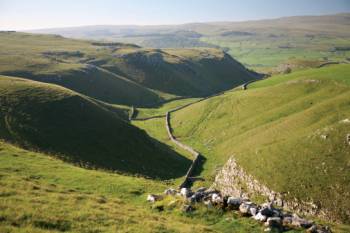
{"x": 160, "y": 25}
{"x": 40, "y": 14}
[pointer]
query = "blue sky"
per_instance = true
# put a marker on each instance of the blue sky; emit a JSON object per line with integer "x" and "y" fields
{"x": 30, "y": 14}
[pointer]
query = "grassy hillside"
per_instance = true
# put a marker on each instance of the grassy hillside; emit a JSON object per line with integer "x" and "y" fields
{"x": 288, "y": 131}
{"x": 161, "y": 110}
{"x": 280, "y": 42}
{"x": 181, "y": 72}
{"x": 61, "y": 61}
{"x": 119, "y": 73}
{"x": 42, "y": 194}
{"x": 50, "y": 118}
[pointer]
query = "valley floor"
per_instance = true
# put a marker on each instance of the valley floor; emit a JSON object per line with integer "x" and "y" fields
{"x": 39, "y": 193}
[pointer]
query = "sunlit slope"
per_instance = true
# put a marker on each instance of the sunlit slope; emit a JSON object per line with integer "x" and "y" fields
{"x": 287, "y": 131}
{"x": 54, "y": 59}
{"x": 53, "y": 119}
{"x": 119, "y": 73}
{"x": 42, "y": 194}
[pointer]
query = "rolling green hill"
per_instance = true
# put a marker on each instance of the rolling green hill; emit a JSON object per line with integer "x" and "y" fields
{"x": 288, "y": 131}
{"x": 181, "y": 72}
{"x": 43, "y": 194}
{"x": 119, "y": 73}
{"x": 49, "y": 118}
{"x": 263, "y": 45}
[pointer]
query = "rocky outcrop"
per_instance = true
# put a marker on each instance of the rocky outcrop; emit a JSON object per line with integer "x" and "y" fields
{"x": 266, "y": 213}
{"x": 232, "y": 180}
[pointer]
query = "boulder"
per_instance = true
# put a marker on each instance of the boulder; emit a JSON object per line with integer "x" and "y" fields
{"x": 259, "y": 217}
{"x": 253, "y": 210}
{"x": 267, "y": 211}
{"x": 153, "y": 198}
{"x": 216, "y": 198}
{"x": 244, "y": 208}
{"x": 198, "y": 196}
{"x": 274, "y": 222}
{"x": 185, "y": 192}
{"x": 300, "y": 222}
{"x": 234, "y": 203}
{"x": 277, "y": 213}
{"x": 191, "y": 199}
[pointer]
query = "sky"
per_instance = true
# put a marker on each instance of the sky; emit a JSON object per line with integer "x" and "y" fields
{"x": 35, "y": 14}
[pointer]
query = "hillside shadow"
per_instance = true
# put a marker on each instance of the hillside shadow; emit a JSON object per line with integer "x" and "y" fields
{"x": 77, "y": 131}
{"x": 199, "y": 167}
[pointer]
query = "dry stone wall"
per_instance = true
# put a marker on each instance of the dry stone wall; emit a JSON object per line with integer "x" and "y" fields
{"x": 195, "y": 154}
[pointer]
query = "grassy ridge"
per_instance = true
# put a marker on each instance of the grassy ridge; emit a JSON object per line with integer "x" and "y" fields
{"x": 119, "y": 73}
{"x": 53, "y": 119}
{"x": 276, "y": 131}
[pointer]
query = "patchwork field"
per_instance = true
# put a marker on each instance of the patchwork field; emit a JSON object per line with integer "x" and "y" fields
{"x": 268, "y": 46}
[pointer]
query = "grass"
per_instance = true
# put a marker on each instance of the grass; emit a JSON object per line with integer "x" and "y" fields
{"x": 117, "y": 73}
{"x": 161, "y": 110}
{"x": 42, "y": 194}
{"x": 274, "y": 131}
{"x": 263, "y": 45}
{"x": 250, "y": 50}
{"x": 77, "y": 129}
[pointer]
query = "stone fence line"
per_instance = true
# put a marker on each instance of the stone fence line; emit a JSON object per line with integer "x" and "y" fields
{"x": 195, "y": 154}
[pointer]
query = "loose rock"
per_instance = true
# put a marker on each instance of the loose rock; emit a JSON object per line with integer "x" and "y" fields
{"x": 153, "y": 198}
{"x": 185, "y": 192}
{"x": 253, "y": 210}
{"x": 300, "y": 222}
{"x": 267, "y": 210}
{"x": 234, "y": 203}
{"x": 274, "y": 222}
{"x": 216, "y": 198}
{"x": 259, "y": 217}
{"x": 244, "y": 208}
